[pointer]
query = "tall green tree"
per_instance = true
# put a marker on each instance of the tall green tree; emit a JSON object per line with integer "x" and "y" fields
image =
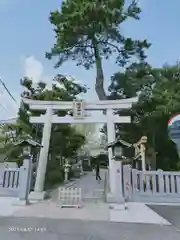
{"x": 88, "y": 31}
{"x": 63, "y": 135}
{"x": 65, "y": 140}
{"x": 158, "y": 91}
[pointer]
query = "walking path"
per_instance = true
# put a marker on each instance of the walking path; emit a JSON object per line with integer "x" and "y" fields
{"x": 89, "y": 185}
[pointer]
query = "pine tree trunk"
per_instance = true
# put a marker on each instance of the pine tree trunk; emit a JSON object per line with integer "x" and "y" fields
{"x": 99, "y": 86}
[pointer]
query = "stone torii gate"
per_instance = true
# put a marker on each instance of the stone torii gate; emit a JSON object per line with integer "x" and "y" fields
{"x": 79, "y": 108}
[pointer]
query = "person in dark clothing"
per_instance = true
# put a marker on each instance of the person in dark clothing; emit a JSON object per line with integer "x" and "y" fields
{"x": 98, "y": 171}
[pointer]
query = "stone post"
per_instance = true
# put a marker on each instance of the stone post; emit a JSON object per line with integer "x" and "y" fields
{"x": 66, "y": 171}
{"x": 111, "y": 135}
{"x": 160, "y": 181}
{"x": 143, "y": 157}
{"x": 24, "y": 181}
{"x": 38, "y": 193}
{"x": 81, "y": 167}
{"x": 118, "y": 195}
{"x": 143, "y": 142}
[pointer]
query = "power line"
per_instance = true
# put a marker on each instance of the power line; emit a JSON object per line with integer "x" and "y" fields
{"x": 2, "y": 105}
{"x": 0, "y": 102}
{"x": 8, "y": 91}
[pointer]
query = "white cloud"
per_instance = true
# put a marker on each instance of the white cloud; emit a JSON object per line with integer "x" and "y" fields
{"x": 33, "y": 69}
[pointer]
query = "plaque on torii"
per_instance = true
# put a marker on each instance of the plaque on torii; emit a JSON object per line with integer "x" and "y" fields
{"x": 78, "y": 109}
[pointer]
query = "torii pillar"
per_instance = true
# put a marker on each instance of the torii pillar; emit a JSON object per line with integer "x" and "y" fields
{"x": 39, "y": 193}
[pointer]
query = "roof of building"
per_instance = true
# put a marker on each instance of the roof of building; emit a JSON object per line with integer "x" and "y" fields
{"x": 29, "y": 141}
{"x": 121, "y": 142}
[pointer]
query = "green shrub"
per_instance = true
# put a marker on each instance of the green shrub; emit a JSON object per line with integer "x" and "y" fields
{"x": 53, "y": 165}
{"x": 178, "y": 166}
{"x": 76, "y": 172}
{"x": 70, "y": 173}
{"x": 54, "y": 177}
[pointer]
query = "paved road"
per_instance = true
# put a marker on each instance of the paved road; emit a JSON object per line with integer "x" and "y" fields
{"x": 171, "y": 213}
{"x": 79, "y": 230}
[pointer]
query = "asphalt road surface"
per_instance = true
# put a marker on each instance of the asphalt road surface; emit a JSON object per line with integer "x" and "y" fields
{"x": 13, "y": 228}
{"x": 171, "y": 213}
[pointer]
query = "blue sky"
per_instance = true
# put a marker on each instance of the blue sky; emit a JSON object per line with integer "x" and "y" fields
{"x": 26, "y": 35}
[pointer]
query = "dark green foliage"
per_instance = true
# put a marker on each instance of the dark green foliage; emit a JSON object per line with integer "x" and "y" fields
{"x": 65, "y": 140}
{"x": 54, "y": 177}
{"x": 159, "y": 91}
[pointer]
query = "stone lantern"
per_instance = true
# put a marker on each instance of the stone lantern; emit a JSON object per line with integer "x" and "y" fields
{"x": 66, "y": 170}
{"x": 119, "y": 149}
{"x": 27, "y": 169}
{"x": 27, "y": 145}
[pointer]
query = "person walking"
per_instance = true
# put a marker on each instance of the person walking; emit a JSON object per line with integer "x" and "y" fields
{"x": 98, "y": 171}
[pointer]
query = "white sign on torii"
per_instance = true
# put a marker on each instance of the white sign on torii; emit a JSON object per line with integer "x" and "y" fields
{"x": 49, "y": 118}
